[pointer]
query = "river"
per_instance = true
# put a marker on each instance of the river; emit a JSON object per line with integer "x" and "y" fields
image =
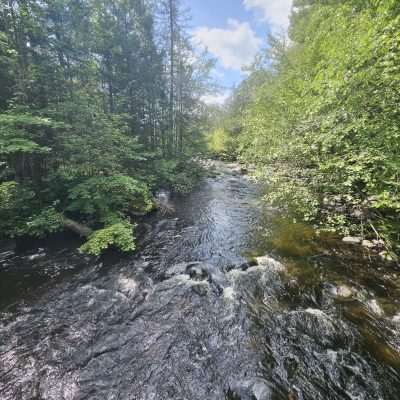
{"x": 210, "y": 307}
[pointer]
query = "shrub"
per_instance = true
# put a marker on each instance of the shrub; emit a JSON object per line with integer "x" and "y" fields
{"x": 118, "y": 235}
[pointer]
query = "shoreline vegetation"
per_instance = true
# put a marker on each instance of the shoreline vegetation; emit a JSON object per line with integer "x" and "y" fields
{"x": 318, "y": 116}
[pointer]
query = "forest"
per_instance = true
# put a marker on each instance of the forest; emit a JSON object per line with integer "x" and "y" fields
{"x": 319, "y": 116}
{"x": 99, "y": 106}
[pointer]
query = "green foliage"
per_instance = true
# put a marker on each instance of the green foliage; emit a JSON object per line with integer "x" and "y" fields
{"x": 24, "y": 140}
{"x": 7, "y": 195}
{"x": 325, "y": 119}
{"x": 47, "y": 221}
{"x": 104, "y": 196}
{"x": 288, "y": 191}
{"x": 17, "y": 205}
{"x": 221, "y": 144}
{"x": 118, "y": 235}
{"x": 180, "y": 175}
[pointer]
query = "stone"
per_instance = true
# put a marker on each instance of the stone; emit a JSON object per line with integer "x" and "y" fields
{"x": 368, "y": 244}
{"x": 344, "y": 291}
{"x": 352, "y": 240}
{"x": 270, "y": 263}
{"x": 378, "y": 243}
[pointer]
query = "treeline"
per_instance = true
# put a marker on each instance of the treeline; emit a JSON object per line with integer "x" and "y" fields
{"x": 319, "y": 115}
{"x": 99, "y": 104}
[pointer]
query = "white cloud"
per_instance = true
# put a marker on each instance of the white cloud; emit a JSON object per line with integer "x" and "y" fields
{"x": 276, "y": 12}
{"x": 216, "y": 73}
{"x": 215, "y": 99}
{"x": 235, "y": 46}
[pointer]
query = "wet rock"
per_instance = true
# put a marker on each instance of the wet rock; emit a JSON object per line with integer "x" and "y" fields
{"x": 197, "y": 273}
{"x": 215, "y": 276}
{"x": 201, "y": 289}
{"x": 352, "y": 240}
{"x": 243, "y": 267}
{"x": 378, "y": 243}
{"x": 344, "y": 291}
{"x": 368, "y": 244}
{"x": 270, "y": 263}
{"x": 317, "y": 324}
{"x": 82, "y": 338}
{"x": 127, "y": 285}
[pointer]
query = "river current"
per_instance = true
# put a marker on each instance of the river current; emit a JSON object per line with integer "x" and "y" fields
{"x": 202, "y": 311}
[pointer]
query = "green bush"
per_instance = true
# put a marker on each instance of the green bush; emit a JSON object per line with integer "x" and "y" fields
{"x": 104, "y": 196}
{"x": 47, "y": 221}
{"x": 119, "y": 235}
{"x": 17, "y": 205}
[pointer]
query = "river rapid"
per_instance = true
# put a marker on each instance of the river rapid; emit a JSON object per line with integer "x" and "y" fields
{"x": 222, "y": 301}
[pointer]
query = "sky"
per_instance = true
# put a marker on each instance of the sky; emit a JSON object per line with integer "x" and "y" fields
{"x": 234, "y": 31}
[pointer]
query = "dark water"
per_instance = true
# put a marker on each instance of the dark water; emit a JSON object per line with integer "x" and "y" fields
{"x": 190, "y": 317}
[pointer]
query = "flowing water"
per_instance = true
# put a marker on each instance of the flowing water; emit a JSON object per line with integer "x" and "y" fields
{"x": 196, "y": 315}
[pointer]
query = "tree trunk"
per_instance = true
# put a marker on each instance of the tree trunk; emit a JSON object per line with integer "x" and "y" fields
{"x": 172, "y": 68}
{"x": 76, "y": 227}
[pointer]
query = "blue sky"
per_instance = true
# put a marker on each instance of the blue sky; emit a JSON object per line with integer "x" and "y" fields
{"x": 234, "y": 31}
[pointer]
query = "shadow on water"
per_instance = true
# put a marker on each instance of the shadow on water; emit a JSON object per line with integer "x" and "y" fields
{"x": 193, "y": 315}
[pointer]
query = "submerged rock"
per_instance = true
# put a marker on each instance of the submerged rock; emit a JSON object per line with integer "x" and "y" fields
{"x": 352, "y": 240}
{"x": 270, "y": 263}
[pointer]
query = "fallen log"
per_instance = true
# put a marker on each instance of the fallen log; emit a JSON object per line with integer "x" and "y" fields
{"x": 76, "y": 227}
